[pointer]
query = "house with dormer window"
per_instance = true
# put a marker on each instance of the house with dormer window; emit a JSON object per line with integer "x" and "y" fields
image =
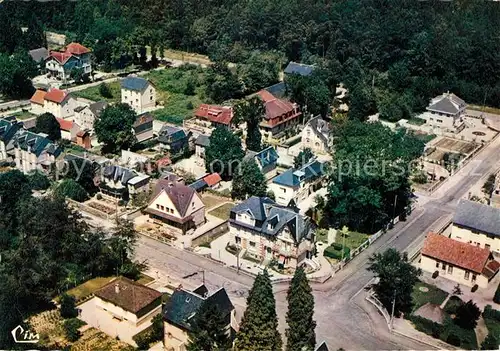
{"x": 297, "y": 184}
{"x": 268, "y": 231}
{"x": 8, "y": 129}
{"x": 33, "y": 151}
{"x": 267, "y": 160}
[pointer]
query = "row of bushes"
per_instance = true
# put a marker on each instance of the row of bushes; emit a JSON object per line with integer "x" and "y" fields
{"x": 447, "y": 332}
{"x": 491, "y": 313}
{"x": 335, "y": 251}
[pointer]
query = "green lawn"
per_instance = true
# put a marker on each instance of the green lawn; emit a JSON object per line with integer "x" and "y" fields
{"x": 353, "y": 239}
{"x": 144, "y": 279}
{"x": 222, "y": 212}
{"x": 210, "y": 201}
{"x": 434, "y": 295}
{"x": 92, "y": 93}
{"x": 23, "y": 115}
{"x": 424, "y": 137}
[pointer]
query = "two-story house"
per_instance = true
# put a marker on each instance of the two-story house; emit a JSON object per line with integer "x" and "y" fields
{"x": 173, "y": 139}
{"x": 176, "y": 206}
{"x": 183, "y": 306}
{"x": 478, "y": 225}
{"x": 61, "y": 63}
{"x": 138, "y": 93}
{"x": 281, "y": 115}
{"x": 86, "y": 115}
{"x": 214, "y": 115}
{"x": 201, "y": 143}
{"x": 269, "y": 231}
{"x": 446, "y": 112}
{"x": 57, "y": 102}
{"x": 122, "y": 182}
{"x": 8, "y": 129}
{"x": 297, "y": 184}
{"x": 33, "y": 151}
{"x": 458, "y": 261}
{"x": 266, "y": 160}
{"x": 69, "y": 129}
{"x": 315, "y": 135}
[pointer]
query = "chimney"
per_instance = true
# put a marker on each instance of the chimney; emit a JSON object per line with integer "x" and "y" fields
{"x": 117, "y": 288}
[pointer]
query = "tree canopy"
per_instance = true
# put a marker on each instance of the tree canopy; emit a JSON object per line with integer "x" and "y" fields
{"x": 224, "y": 153}
{"x": 208, "y": 330}
{"x": 397, "y": 278}
{"x": 251, "y": 112}
{"x": 114, "y": 127}
{"x": 258, "y": 329}
{"x": 48, "y": 124}
{"x": 300, "y": 334}
{"x": 248, "y": 181}
{"x": 369, "y": 183}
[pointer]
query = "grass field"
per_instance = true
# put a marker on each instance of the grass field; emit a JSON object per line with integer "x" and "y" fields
{"x": 487, "y": 109}
{"x": 92, "y": 93}
{"x": 222, "y": 212}
{"x": 210, "y": 201}
{"x": 145, "y": 279}
{"x": 23, "y": 115}
{"x": 416, "y": 121}
{"x": 353, "y": 239}
{"x": 434, "y": 295}
{"x": 183, "y": 55}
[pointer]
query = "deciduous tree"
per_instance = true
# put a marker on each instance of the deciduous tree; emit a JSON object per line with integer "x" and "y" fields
{"x": 48, "y": 124}
{"x": 251, "y": 112}
{"x": 302, "y": 158}
{"x": 114, "y": 127}
{"x": 224, "y": 153}
{"x": 248, "y": 181}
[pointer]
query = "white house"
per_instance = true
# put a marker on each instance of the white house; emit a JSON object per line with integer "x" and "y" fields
{"x": 315, "y": 135}
{"x": 446, "y": 112}
{"x": 33, "y": 151}
{"x": 267, "y": 231}
{"x": 8, "y": 129}
{"x": 296, "y": 185}
{"x": 139, "y": 93}
{"x": 86, "y": 115}
{"x": 61, "y": 63}
{"x": 57, "y": 102}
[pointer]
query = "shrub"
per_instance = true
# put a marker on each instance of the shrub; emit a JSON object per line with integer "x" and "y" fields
{"x": 453, "y": 339}
{"x": 121, "y": 202}
{"x": 105, "y": 91}
{"x": 467, "y": 315}
{"x": 71, "y": 327}
{"x": 331, "y": 252}
{"x": 453, "y": 304}
{"x": 71, "y": 189}
{"x": 435, "y": 274}
{"x": 99, "y": 197}
{"x": 150, "y": 335}
{"x": 496, "y": 298}
{"x": 491, "y": 313}
{"x": 426, "y": 325}
{"x": 68, "y": 306}
{"x": 38, "y": 181}
{"x": 490, "y": 343}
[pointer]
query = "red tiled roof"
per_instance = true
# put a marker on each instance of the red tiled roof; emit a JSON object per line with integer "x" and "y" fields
{"x": 38, "y": 97}
{"x": 76, "y": 49}
{"x": 277, "y": 107}
{"x": 129, "y": 295}
{"x": 459, "y": 254}
{"x": 164, "y": 161}
{"x": 61, "y": 57}
{"x": 56, "y": 95}
{"x": 65, "y": 124}
{"x": 212, "y": 179}
{"x": 214, "y": 113}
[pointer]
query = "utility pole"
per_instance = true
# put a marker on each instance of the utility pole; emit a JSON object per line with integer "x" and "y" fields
{"x": 394, "y": 209}
{"x": 238, "y": 261}
{"x": 393, "y": 306}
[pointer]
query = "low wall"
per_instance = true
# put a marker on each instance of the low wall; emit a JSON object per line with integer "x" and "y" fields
{"x": 88, "y": 209}
{"x": 211, "y": 234}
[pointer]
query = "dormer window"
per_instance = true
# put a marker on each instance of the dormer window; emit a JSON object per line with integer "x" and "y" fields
{"x": 270, "y": 226}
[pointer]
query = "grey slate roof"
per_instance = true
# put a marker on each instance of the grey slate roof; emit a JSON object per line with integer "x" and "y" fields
{"x": 183, "y": 305}
{"x": 33, "y": 142}
{"x": 277, "y": 90}
{"x": 293, "y": 178}
{"x": 38, "y": 55}
{"x": 299, "y": 68}
{"x": 320, "y": 127}
{"x": 118, "y": 173}
{"x": 198, "y": 185}
{"x": 482, "y": 218}
{"x": 271, "y": 218}
{"x": 202, "y": 140}
{"x": 134, "y": 83}
{"x": 322, "y": 347}
{"x": 265, "y": 157}
{"x": 446, "y": 103}
{"x": 97, "y": 107}
{"x": 8, "y": 129}
{"x": 169, "y": 134}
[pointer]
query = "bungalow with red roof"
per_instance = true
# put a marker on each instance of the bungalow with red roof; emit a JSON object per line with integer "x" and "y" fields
{"x": 458, "y": 261}
{"x": 214, "y": 116}
{"x": 69, "y": 129}
{"x": 177, "y": 207}
{"x": 281, "y": 115}
{"x": 213, "y": 180}
{"x": 60, "y": 63}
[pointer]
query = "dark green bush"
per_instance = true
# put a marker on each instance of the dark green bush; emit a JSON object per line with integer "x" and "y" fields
{"x": 331, "y": 252}
{"x": 68, "y": 306}
{"x": 491, "y": 313}
{"x": 38, "y": 181}
{"x": 426, "y": 326}
{"x": 71, "y": 189}
{"x": 467, "y": 315}
{"x": 71, "y": 327}
{"x": 150, "y": 335}
{"x": 496, "y": 298}
{"x": 490, "y": 343}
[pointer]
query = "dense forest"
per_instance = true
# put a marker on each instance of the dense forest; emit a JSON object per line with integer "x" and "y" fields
{"x": 393, "y": 55}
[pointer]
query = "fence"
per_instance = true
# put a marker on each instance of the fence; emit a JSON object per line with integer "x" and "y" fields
{"x": 382, "y": 310}
{"x": 88, "y": 209}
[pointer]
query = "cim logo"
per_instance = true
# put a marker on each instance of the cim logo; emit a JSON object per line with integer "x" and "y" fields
{"x": 22, "y": 336}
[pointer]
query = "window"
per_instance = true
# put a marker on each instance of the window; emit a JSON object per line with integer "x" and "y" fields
{"x": 157, "y": 206}
{"x": 238, "y": 240}
{"x": 487, "y": 246}
{"x": 473, "y": 278}
{"x": 466, "y": 275}
{"x": 268, "y": 250}
{"x": 450, "y": 269}
{"x": 439, "y": 120}
{"x": 437, "y": 264}
{"x": 151, "y": 98}
{"x": 252, "y": 243}
{"x": 284, "y": 190}
{"x": 443, "y": 266}
{"x": 171, "y": 210}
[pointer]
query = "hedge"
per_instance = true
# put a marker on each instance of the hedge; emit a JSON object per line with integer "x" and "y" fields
{"x": 491, "y": 313}
{"x": 426, "y": 326}
{"x": 334, "y": 253}
{"x": 496, "y": 298}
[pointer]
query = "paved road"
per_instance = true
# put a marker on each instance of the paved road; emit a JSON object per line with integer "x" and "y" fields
{"x": 343, "y": 317}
